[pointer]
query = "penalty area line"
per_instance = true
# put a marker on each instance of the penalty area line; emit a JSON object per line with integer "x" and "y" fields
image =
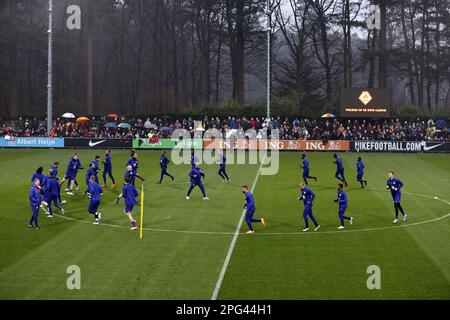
{"x": 233, "y": 241}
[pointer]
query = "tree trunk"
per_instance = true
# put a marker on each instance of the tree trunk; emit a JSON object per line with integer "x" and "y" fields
{"x": 382, "y": 57}
{"x": 408, "y": 52}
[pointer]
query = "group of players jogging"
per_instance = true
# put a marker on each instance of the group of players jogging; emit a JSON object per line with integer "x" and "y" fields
{"x": 46, "y": 190}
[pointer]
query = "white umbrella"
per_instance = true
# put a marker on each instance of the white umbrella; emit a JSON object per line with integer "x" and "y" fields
{"x": 68, "y": 115}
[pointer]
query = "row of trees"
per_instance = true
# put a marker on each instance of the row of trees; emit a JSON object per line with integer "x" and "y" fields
{"x": 163, "y": 56}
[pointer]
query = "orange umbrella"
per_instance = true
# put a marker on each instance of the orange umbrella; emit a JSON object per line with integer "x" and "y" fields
{"x": 83, "y": 119}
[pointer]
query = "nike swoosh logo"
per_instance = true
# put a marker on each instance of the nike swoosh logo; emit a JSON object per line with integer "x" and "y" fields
{"x": 425, "y": 148}
{"x": 93, "y": 144}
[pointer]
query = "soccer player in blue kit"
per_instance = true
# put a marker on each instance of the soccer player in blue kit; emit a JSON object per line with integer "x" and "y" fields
{"x": 94, "y": 191}
{"x": 308, "y": 196}
{"x": 251, "y": 208}
{"x": 71, "y": 173}
{"x": 129, "y": 193}
{"x": 54, "y": 167}
{"x": 107, "y": 169}
{"x": 305, "y": 166}
{"x": 360, "y": 172}
{"x": 35, "y": 197}
{"x": 51, "y": 192}
{"x": 97, "y": 169}
{"x": 38, "y": 175}
{"x": 134, "y": 163}
{"x": 163, "y": 162}
{"x": 339, "y": 169}
{"x": 196, "y": 175}
{"x": 395, "y": 185}
{"x": 342, "y": 200}
{"x": 222, "y": 168}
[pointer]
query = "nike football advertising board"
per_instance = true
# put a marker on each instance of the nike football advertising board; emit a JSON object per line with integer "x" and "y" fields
{"x": 97, "y": 143}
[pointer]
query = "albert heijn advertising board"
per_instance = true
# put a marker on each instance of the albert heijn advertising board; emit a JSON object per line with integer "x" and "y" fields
{"x": 281, "y": 145}
{"x": 31, "y": 142}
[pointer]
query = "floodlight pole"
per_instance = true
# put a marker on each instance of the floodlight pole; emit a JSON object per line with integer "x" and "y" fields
{"x": 269, "y": 49}
{"x": 49, "y": 75}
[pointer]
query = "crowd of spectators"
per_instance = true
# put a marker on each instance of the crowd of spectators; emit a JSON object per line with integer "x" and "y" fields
{"x": 290, "y": 129}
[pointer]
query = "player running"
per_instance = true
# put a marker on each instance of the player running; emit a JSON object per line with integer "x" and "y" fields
{"x": 305, "y": 167}
{"x": 107, "y": 169}
{"x": 395, "y": 186}
{"x": 163, "y": 162}
{"x": 222, "y": 168}
{"x": 360, "y": 172}
{"x": 129, "y": 173}
{"x": 134, "y": 163}
{"x": 94, "y": 191}
{"x": 71, "y": 173}
{"x": 339, "y": 169}
{"x": 38, "y": 175}
{"x": 35, "y": 197}
{"x": 251, "y": 208}
{"x": 97, "y": 168}
{"x": 308, "y": 196}
{"x": 196, "y": 175}
{"x": 55, "y": 167}
{"x": 342, "y": 200}
{"x": 51, "y": 193}
{"x": 129, "y": 193}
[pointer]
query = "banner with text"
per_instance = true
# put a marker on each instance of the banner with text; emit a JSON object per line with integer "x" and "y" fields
{"x": 168, "y": 144}
{"x": 31, "y": 142}
{"x": 280, "y": 145}
{"x": 97, "y": 143}
{"x": 399, "y": 146}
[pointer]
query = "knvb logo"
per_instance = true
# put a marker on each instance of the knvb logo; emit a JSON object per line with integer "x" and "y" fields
{"x": 374, "y": 19}
{"x": 74, "y": 19}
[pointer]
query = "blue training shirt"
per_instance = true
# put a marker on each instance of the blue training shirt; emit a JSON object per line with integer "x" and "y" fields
{"x": 249, "y": 200}
{"x": 95, "y": 190}
{"x": 307, "y": 195}
{"x": 129, "y": 194}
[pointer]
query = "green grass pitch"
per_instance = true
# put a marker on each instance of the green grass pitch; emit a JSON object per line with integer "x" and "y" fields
{"x": 185, "y": 242}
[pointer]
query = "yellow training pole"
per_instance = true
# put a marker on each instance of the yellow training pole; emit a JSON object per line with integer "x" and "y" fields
{"x": 142, "y": 210}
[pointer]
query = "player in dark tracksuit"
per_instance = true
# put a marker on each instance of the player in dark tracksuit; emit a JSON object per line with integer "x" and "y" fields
{"x": 250, "y": 210}
{"x": 38, "y": 175}
{"x": 71, "y": 173}
{"x": 51, "y": 193}
{"x": 107, "y": 169}
{"x": 55, "y": 173}
{"x": 305, "y": 166}
{"x": 97, "y": 169}
{"x": 222, "y": 168}
{"x": 134, "y": 163}
{"x": 308, "y": 196}
{"x": 94, "y": 192}
{"x": 342, "y": 200}
{"x": 35, "y": 197}
{"x": 360, "y": 172}
{"x": 196, "y": 175}
{"x": 339, "y": 169}
{"x": 163, "y": 162}
{"x": 129, "y": 193}
{"x": 394, "y": 185}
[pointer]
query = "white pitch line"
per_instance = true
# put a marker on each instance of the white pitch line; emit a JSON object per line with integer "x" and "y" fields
{"x": 282, "y": 233}
{"x": 264, "y": 233}
{"x": 233, "y": 241}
